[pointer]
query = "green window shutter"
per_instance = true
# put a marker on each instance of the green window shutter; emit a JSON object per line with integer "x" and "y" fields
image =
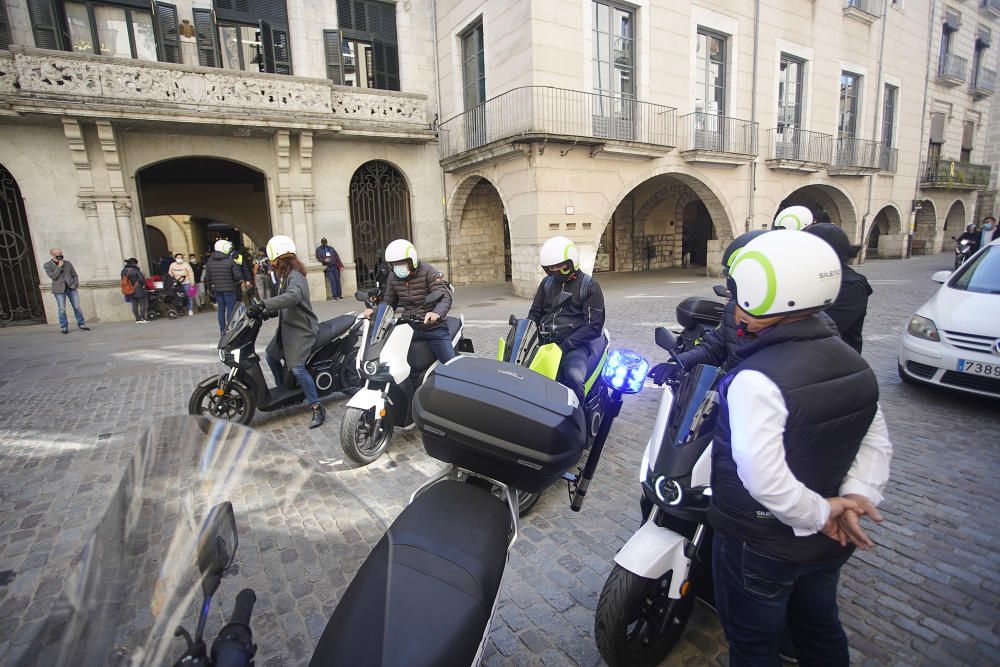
{"x": 204, "y": 26}
{"x": 275, "y": 49}
{"x": 334, "y": 64}
{"x": 167, "y": 32}
{"x": 384, "y": 45}
{"x": 45, "y": 24}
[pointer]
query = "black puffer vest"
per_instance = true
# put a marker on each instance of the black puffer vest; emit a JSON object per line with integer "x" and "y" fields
{"x": 832, "y": 396}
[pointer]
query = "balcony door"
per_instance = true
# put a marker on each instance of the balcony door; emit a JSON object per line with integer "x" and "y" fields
{"x": 613, "y": 105}
{"x": 847, "y": 119}
{"x": 789, "y": 144}
{"x": 710, "y": 91}
{"x": 474, "y": 87}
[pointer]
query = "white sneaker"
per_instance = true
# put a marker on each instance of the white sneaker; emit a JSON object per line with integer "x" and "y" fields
{"x": 190, "y": 313}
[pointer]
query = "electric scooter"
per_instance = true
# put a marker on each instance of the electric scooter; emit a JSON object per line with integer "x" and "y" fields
{"x": 393, "y": 367}
{"x": 242, "y": 390}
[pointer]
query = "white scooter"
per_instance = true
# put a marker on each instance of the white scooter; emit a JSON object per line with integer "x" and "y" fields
{"x": 393, "y": 367}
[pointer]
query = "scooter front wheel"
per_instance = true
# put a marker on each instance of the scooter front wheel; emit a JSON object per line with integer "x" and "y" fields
{"x": 237, "y": 404}
{"x": 637, "y": 624}
{"x": 363, "y": 435}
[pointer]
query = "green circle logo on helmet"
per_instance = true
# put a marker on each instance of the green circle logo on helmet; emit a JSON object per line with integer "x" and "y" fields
{"x": 400, "y": 251}
{"x": 794, "y": 217}
{"x": 784, "y": 272}
{"x": 280, "y": 245}
{"x": 559, "y": 255}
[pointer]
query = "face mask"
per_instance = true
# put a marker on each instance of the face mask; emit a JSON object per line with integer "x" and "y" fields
{"x": 988, "y": 226}
{"x": 59, "y": 257}
{"x": 402, "y": 272}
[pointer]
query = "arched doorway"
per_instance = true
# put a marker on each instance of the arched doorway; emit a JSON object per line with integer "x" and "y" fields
{"x": 20, "y": 298}
{"x": 669, "y": 221}
{"x": 885, "y": 236}
{"x": 380, "y": 214}
{"x": 954, "y": 223}
{"x": 188, "y": 203}
{"x": 826, "y": 200}
{"x": 924, "y": 229}
{"x": 480, "y": 234}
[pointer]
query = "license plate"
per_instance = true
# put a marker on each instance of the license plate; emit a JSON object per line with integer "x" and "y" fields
{"x": 979, "y": 368}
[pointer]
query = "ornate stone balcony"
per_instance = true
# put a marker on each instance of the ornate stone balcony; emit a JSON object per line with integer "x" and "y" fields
{"x": 60, "y": 83}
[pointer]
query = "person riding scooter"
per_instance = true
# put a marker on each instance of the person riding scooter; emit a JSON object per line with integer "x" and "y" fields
{"x": 409, "y": 283}
{"x": 297, "y": 323}
{"x": 581, "y": 317}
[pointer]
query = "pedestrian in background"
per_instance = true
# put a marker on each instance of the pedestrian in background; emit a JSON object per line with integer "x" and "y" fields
{"x": 64, "y": 285}
{"x": 989, "y": 231}
{"x": 223, "y": 278}
{"x": 328, "y": 257}
{"x": 182, "y": 272}
{"x": 133, "y": 275}
{"x": 199, "y": 289}
{"x": 263, "y": 275}
{"x": 849, "y": 310}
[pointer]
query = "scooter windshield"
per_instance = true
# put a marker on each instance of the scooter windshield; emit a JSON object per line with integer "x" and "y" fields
{"x": 136, "y": 579}
{"x": 380, "y": 322}
{"x": 693, "y": 413}
{"x": 234, "y": 327}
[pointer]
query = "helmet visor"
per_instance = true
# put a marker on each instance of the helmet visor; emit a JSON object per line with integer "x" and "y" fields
{"x": 561, "y": 269}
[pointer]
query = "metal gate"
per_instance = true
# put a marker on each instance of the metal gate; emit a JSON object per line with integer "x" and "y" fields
{"x": 20, "y": 299}
{"x": 380, "y": 214}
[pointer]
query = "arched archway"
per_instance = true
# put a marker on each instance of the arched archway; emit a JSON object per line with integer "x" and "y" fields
{"x": 954, "y": 222}
{"x": 20, "y": 298}
{"x": 823, "y": 198}
{"x": 193, "y": 201}
{"x": 379, "y": 200}
{"x": 480, "y": 234}
{"x": 924, "y": 229}
{"x": 885, "y": 236}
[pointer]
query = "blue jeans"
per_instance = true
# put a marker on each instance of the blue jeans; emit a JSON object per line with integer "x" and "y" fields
{"x": 301, "y": 375}
{"x": 439, "y": 341}
{"x": 226, "y": 301}
{"x": 757, "y": 595}
{"x": 74, "y": 300}
{"x": 334, "y": 278}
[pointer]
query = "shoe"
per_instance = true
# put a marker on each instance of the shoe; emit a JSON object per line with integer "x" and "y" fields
{"x": 190, "y": 313}
{"x": 65, "y": 331}
{"x": 319, "y": 416}
{"x": 84, "y": 328}
{"x": 791, "y": 660}
{"x": 138, "y": 321}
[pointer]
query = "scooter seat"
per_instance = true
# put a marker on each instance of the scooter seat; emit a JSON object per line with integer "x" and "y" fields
{"x": 426, "y": 592}
{"x": 454, "y": 324}
{"x": 332, "y": 329}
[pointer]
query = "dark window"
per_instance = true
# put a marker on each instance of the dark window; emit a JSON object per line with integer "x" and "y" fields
{"x": 968, "y": 141}
{"x": 368, "y": 52}
{"x": 473, "y": 67}
{"x": 791, "y": 92}
{"x": 979, "y": 55}
{"x": 4, "y": 27}
{"x": 46, "y": 24}
{"x": 167, "y": 30}
{"x": 889, "y": 114}
{"x": 252, "y": 35}
{"x": 850, "y": 90}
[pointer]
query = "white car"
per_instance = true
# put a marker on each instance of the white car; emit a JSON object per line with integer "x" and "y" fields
{"x": 953, "y": 340}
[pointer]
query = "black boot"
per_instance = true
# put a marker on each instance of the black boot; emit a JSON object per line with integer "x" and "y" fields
{"x": 319, "y": 416}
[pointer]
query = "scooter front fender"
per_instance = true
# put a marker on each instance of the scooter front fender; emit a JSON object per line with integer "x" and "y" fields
{"x": 366, "y": 399}
{"x": 652, "y": 551}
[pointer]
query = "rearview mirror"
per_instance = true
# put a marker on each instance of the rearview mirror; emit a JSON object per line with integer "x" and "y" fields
{"x": 665, "y": 339}
{"x": 720, "y": 290}
{"x": 217, "y": 545}
{"x": 513, "y": 320}
{"x": 941, "y": 277}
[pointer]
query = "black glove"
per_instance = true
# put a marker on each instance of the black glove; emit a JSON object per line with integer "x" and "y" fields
{"x": 257, "y": 311}
{"x": 660, "y": 373}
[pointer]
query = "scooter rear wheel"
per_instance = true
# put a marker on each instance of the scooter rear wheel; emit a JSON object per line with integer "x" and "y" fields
{"x": 363, "y": 436}
{"x": 637, "y": 624}
{"x": 526, "y": 501}
{"x": 236, "y": 405}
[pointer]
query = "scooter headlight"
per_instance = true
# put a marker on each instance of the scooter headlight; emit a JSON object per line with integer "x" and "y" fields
{"x": 370, "y": 368}
{"x": 626, "y": 371}
{"x": 668, "y": 490}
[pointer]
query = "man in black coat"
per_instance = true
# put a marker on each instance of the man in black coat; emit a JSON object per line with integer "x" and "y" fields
{"x": 223, "y": 278}
{"x": 849, "y": 310}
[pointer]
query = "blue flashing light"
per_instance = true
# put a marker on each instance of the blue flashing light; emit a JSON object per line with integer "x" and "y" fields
{"x": 626, "y": 371}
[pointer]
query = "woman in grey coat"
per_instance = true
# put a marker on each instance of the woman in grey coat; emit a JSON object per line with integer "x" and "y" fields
{"x": 297, "y": 323}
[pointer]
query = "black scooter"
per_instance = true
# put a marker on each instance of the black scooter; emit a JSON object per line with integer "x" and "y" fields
{"x": 238, "y": 393}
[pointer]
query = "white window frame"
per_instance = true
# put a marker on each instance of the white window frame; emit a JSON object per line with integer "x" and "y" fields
{"x": 728, "y": 27}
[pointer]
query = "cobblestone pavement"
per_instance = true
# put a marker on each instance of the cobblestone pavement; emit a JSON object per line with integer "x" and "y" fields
{"x": 71, "y": 408}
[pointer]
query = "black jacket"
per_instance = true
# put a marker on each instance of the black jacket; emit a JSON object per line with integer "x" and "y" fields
{"x": 584, "y": 312}
{"x": 848, "y": 311}
{"x": 832, "y": 397}
{"x": 132, "y": 272}
{"x": 222, "y": 275}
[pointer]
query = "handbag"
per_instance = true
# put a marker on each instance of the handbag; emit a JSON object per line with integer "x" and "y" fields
{"x": 192, "y": 290}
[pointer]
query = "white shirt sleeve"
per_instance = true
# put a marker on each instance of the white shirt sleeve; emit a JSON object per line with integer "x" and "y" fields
{"x": 870, "y": 470}
{"x": 757, "y": 416}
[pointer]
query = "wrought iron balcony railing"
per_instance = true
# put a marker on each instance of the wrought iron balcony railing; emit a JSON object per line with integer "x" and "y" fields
{"x": 870, "y": 7}
{"x": 887, "y": 158}
{"x": 992, "y": 6}
{"x": 558, "y": 113}
{"x": 984, "y": 82}
{"x": 954, "y": 175}
{"x": 853, "y": 153}
{"x": 718, "y": 134}
{"x": 952, "y": 67}
{"x": 794, "y": 144}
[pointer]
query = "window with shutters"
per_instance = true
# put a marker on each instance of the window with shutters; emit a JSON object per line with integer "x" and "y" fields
{"x": 364, "y": 51}
{"x": 249, "y": 35}
{"x": 968, "y": 141}
{"x": 473, "y": 66}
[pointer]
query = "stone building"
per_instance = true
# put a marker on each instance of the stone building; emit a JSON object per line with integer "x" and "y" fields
{"x": 134, "y": 128}
{"x": 653, "y": 132}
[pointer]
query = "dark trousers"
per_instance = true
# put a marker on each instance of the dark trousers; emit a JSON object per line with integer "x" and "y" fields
{"x": 576, "y": 365}
{"x": 139, "y": 305}
{"x": 757, "y": 596}
{"x": 226, "y": 303}
{"x": 333, "y": 275}
{"x": 439, "y": 341}
{"x": 301, "y": 375}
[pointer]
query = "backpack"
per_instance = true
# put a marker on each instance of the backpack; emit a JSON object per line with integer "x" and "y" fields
{"x": 128, "y": 287}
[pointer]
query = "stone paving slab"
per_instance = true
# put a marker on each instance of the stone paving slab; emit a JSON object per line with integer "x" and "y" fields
{"x": 72, "y": 407}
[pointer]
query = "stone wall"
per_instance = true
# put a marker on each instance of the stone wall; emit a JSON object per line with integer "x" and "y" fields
{"x": 477, "y": 238}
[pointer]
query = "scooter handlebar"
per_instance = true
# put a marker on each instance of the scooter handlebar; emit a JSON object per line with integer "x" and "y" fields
{"x": 234, "y": 646}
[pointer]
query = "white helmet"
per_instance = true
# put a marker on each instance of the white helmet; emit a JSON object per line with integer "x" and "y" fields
{"x": 400, "y": 250}
{"x": 785, "y": 272}
{"x": 280, "y": 245}
{"x": 557, "y": 250}
{"x": 224, "y": 246}
{"x": 794, "y": 217}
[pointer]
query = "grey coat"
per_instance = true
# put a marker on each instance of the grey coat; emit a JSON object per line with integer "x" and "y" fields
{"x": 297, "y": 323}
{"x": 63, "y": 277}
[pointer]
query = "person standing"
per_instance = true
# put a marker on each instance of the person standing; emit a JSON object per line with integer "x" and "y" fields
{"x": 198, "y": 268}
{"x": 849, "y": 310}
{"x": 328, "y": 257}
{"x": 800, "y": 453}
{"x": 182, "y": 272}
{"x": 263, "y": 275}
{"x": 989, "y": 231}
{"x": 137, "y": 282}
{"x": 222, "y": 279}
{"x": 64, "y": 286}
{"x": 165, "y": 263}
